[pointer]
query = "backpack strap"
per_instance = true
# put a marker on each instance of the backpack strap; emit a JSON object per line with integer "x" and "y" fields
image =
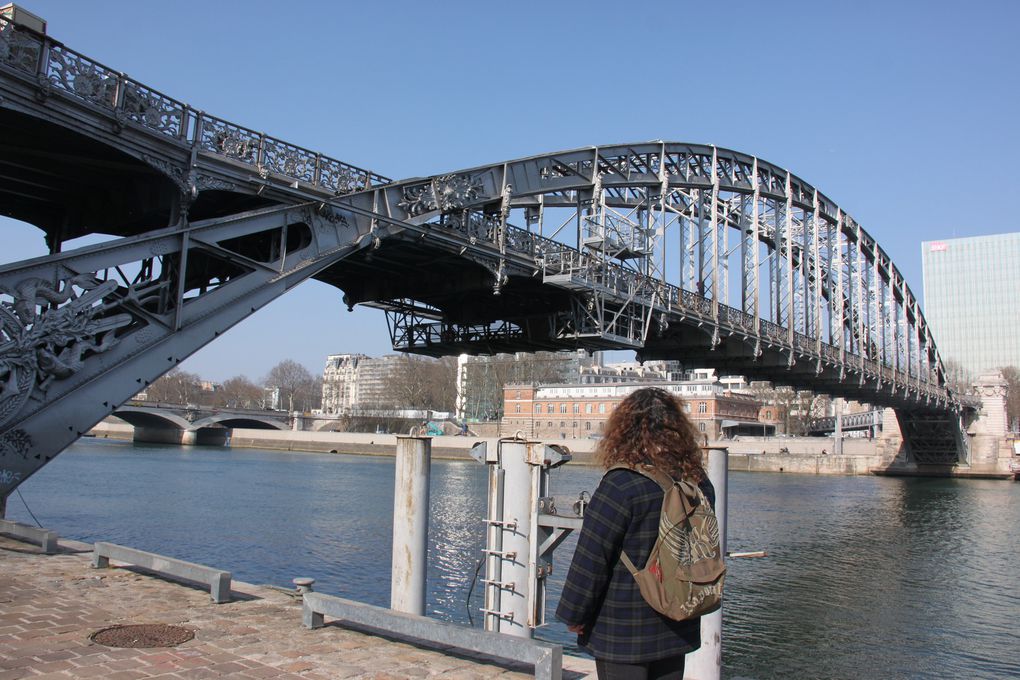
{"x": 656, "y": 475}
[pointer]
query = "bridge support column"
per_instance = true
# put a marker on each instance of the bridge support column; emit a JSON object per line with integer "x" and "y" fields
{"x": 204, "y": 436}
{"x": 158, "y": 435}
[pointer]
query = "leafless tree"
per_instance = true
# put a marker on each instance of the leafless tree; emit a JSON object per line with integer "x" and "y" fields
{"x": 486, "y": 379}
{"x": 958, "y": 378}
{"x": 175, "y": 387}
{"x": 239, "y": 392}
{"x": 1012, "y": 376}
{"x": 417, "y": 382}
{"x": 298, "y": 387}
{"x": 795, "y": 408}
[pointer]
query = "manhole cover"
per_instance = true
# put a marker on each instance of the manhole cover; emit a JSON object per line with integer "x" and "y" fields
{"x": 144, "y": 635}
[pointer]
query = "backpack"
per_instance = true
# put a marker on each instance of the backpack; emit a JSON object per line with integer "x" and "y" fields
{"x": 683, "y": 577}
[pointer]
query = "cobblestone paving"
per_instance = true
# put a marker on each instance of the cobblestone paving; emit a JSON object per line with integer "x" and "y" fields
{"x": 51, "y": 604}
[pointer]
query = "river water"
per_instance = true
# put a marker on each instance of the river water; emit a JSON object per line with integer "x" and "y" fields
{"x": 866, "y": 577}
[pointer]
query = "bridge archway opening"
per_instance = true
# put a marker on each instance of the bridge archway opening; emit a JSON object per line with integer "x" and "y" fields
{"x": 70, "y": 185}
{"x": 242, "y": 423}
{"x": 164, "y": 421}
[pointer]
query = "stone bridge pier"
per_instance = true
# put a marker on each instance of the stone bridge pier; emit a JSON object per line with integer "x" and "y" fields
{"x": 206, "y": 436}
{"x": 985, "y": 449}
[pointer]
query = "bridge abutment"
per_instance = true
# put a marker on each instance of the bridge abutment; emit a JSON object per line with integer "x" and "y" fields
{"x": 987, "y": 429}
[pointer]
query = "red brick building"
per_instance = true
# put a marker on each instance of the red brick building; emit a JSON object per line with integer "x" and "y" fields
{"x": 579, "y": 411}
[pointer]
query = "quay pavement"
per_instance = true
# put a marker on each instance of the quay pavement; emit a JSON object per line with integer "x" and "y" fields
{"x": 50, "y": 605}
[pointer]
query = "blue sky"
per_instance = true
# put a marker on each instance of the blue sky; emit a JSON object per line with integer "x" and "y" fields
{"x": 903, "y": 112}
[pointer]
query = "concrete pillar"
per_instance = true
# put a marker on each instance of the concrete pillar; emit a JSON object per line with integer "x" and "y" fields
{"x": 159, "y": 435}
{"x": 706, "y": 663}
{"x": 410, "y": 524}
{"x": 518, "y": 505}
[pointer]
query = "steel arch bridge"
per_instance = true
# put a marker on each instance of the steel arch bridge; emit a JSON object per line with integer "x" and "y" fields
{"x": 674, "y": 250}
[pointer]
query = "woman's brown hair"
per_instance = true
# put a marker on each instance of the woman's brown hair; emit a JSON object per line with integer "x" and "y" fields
{"x": 650, "y": 426}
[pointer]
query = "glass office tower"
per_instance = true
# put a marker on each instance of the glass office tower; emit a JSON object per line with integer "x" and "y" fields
{"x": 972, "y": 300}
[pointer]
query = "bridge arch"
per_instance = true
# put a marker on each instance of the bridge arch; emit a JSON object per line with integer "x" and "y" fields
{"x": 248, "y": 422}
{"x": 152, "y": 418}
{"x": 758, "y": 252}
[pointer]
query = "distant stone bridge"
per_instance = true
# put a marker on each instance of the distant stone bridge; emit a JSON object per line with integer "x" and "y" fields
{"x": 188, "y": 424}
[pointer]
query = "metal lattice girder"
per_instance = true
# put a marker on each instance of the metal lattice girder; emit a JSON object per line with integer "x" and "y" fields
{"x": 83, "y": 331}
{"x": 933, "y": 438}
{"x": 813, "y": 249}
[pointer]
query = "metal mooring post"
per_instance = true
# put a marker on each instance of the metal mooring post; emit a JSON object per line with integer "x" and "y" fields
{"x": 515, "y": 569}
{"x": 410, "y": 524}
{"x": 706, "y": 663}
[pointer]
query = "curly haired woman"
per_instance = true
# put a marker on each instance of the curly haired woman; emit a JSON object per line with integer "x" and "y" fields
{"x": 601, "y": 601}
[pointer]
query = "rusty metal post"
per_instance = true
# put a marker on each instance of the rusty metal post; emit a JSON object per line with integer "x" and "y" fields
{"x": 706, "y": 663}
{"x": 410, "y": 524}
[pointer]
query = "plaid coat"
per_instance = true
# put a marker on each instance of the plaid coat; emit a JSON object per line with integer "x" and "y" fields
{"x": 601, "y": 593}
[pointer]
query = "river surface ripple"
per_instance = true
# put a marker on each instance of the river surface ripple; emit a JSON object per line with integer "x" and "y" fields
{"x": 866, "y": 577}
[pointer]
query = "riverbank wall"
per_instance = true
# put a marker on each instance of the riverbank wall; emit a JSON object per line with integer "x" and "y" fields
{"x": 803, "y": 455}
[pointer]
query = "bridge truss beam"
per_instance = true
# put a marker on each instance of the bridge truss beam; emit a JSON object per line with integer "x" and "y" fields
{"x": 84, "y": 331}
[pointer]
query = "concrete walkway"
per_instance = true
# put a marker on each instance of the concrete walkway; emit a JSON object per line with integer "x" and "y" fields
{"x": 51, "y": 604}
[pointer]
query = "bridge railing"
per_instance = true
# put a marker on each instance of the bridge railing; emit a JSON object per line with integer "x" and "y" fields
{"x": 59, "y": 68}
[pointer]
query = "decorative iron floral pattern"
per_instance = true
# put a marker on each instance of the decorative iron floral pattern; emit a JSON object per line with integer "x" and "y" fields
{"x": 19, "y": 48}
{"x": 46, "y": 332}
{"x": 228, "y": 139}
{"x": 82, "y": 77}
{"x": 289, "y": 160}
{"x": 152, "y": 109}
{"x": 15, "y": 443}
{"x": 445, "y": 193}
{"x": 341, "y": 177}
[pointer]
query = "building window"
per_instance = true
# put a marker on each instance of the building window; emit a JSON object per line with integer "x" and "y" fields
{"x": 538, "y": 408}
{"x": 602, "y": 408}
{"x": 577, "y": 408}
{"x": 587, "y": 408}
{"x": 518, "y": 394}
{"x": 768, "y": 414}
{"x": 517, "y": 408}
{"x": 701, "y": 426}
{"x": 702, "y": 407}
{"x": 563, "y": 408}
{"x": 587, "y": 425}
{"x": 562, "y": 424}
{"x": 549, "y": 423}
